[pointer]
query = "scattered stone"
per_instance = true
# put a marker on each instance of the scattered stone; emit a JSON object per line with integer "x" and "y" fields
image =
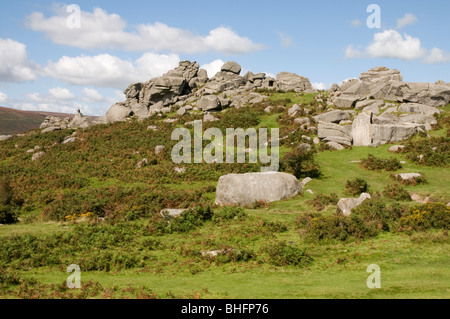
{"x": 245, "y": 189}
{"x": 37, "y": 156}
{"x": 180, "y": 170}
{"x": 209, "y": 103}
{"x": 306, "y": 181}
{"x": 335, "y": 146}
{"x": 346, "y": 205}
{"x": 159, "y": 149}
{"x": 182, "y": 111}
{"x": 310, "y": 191}
{"x": 68, "y": 140}
{"x": 208, "y": 117}
{"x": 5, "y": 137}
{"x": 396, "y": 148}
{"x": 142, "y": 163}
{"x": 408, "y": 176}
{"x": 51, "y": 129}
{"x": 171, "y": 213}
{"x": 152, "y": 127}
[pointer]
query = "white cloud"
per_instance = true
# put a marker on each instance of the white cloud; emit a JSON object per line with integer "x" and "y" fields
{"x": 92, "y": 96}
{"x": 100, "y": 29}
{"x": 408, "y": 19}
{"x": 437, "y": 56}
{"x": 320, "y": 86}
{"x": 61, "y": 94}
{"x": 14, "y": 63}
{"x": 391, "y": 44}
{"x": 213, "y": 67}
{"x": 3, "y": 98}
{"x": 286, "y": 41}
{"x": 352, "y": 53}
{"x": 356, "y": 23}
{"x": 105, "y": 70}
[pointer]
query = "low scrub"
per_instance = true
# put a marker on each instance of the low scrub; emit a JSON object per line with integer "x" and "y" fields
{"x": 356, "y": 186}
{"x": 377, "y": 164}
{"x": 321, "y": 201}
{"x": 411, "y": 181}
{"x": 427, "y": 216}
{"x": 396, "y": 192}
{"x": 284, "y": 254}
{"x": 434, "y": 151}
{"x": 301, "y": 163}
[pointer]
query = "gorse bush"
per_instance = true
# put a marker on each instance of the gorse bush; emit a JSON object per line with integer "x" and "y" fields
{"x": 377, "y": 164}
{"x": 427, "y": 216}
{"x": 321, "y": 201}
{"x": 187, "y": 221}
{"x": 396, "y": 192}
{"x": 411, "y": 181}
{"x": 356, "y": 186}
{"x": 301, "y": 163}
{"x": 367, "y": 220}
{"x": 283, "y": 254}
{"x": 228, "y": 213}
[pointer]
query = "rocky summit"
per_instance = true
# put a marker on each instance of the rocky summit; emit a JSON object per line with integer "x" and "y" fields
{"x": 375, "y": 109}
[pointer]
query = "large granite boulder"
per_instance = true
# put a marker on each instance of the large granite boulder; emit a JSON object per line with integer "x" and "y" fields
{"x": 232, "y": 67}
{"x": 362, "y": 130}
{"x": 118, "y": 112}
{"x": 292, "y": 82}
{"x": 326, "y": 130}
{"x": 333, "y": 116}
{"x": 389, "y": 133}
{"x": 245, "y": 189}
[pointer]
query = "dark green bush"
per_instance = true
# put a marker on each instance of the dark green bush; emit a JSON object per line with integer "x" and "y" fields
{"x": 227, "y": 213}
{"x": 8, "y": 209}
{"x": 301, "y": 163}
{"x": 356, "y": 186}
{"x": 189, "y": 220}
{"x": 283, "y": 254}
{"x": 376, "y": 164}
{"x": 321, "y": 201}
{"x": 396, "y": 192}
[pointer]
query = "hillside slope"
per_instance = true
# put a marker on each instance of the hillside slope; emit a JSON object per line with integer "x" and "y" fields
{"x": 15, "y": 121}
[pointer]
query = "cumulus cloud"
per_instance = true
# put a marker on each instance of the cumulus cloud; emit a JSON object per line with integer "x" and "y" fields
{"x": 56, "y": 100}
{"x": 105, "y": 70}
{"x": 3, "y": 98}
{"x": 351, "y": 52}
{"x": 61, "y": 94}
{"x": 99, "y": 29}
{"x": 286, "y": 41}
{"x": 213, "y": 67}
{"x": 14, "y": 63}
{"x": 407, "y": 19}
{"x": 320, "y": 86}
{"x": 437, "y": 56}
{"x": 391, "y": 44}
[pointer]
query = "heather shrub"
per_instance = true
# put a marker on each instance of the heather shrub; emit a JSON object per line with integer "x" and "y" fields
{"x": 356, "y": 186}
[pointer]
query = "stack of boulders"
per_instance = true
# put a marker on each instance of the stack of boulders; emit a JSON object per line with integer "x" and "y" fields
{"x": 54, "y": 123}
{"x": 380, "y": 108}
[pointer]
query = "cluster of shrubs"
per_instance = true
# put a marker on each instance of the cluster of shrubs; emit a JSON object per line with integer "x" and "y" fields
{"x": 396, "y": 192}
{"x": 377, "y": 164}
{"x": 411, "y": 181}
{"x": 9, "y": 207}
{"x": 372, "y": 217}
{"x": 321, "y": 201}
{"x": 285, "y": 254}
{"x": 434, "y": 151}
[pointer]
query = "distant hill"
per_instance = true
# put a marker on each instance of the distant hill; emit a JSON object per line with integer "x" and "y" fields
{"x": 15, "y": 121}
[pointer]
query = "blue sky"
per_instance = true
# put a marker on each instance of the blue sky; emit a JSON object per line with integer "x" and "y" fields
{"x": 46, "y": 65}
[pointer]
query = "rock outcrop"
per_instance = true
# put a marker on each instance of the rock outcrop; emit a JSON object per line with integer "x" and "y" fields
{"x": 346, "y": 205}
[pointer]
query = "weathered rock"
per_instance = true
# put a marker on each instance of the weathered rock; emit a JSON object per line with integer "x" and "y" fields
{"x": 142, "y": 163}
{"x": 306, "y": 181}
{"x": 37, "y": 156}
{"x": 365, "y": 103}
{"x": 159, "y": 149}
{"x": 346, "y": 205}
{"x": 171, "y": 213}
{"x": 181, "y": 111}
{"x": 387, "y": 133}
{"x": 245, "y": 189}
{"x": 232, "y": 67}
{"x": 346, "y": 102}
{"x": 330, "y": 129}
{"x": 408, "y": 176}
{"x": 5, "y": 137}
{"x": 335, "y": 146}
{"x": 294, "y": 110}
{"x": 418, "y": 108}
{"x": 208, "y": 117}
{"x": 118, "y": 112}
{"x": 51, "y": 129}
{"x": 209, "y": 103}
{"x": 333, "y": 116}
{"x": 292, "y": 82}
{"x": 396, "y": 148}
{"x": 362, "y": 130}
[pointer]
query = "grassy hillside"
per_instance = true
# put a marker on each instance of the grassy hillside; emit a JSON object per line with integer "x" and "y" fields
{"x": 87, "y": 203}
{"x": 14, "y": 121}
